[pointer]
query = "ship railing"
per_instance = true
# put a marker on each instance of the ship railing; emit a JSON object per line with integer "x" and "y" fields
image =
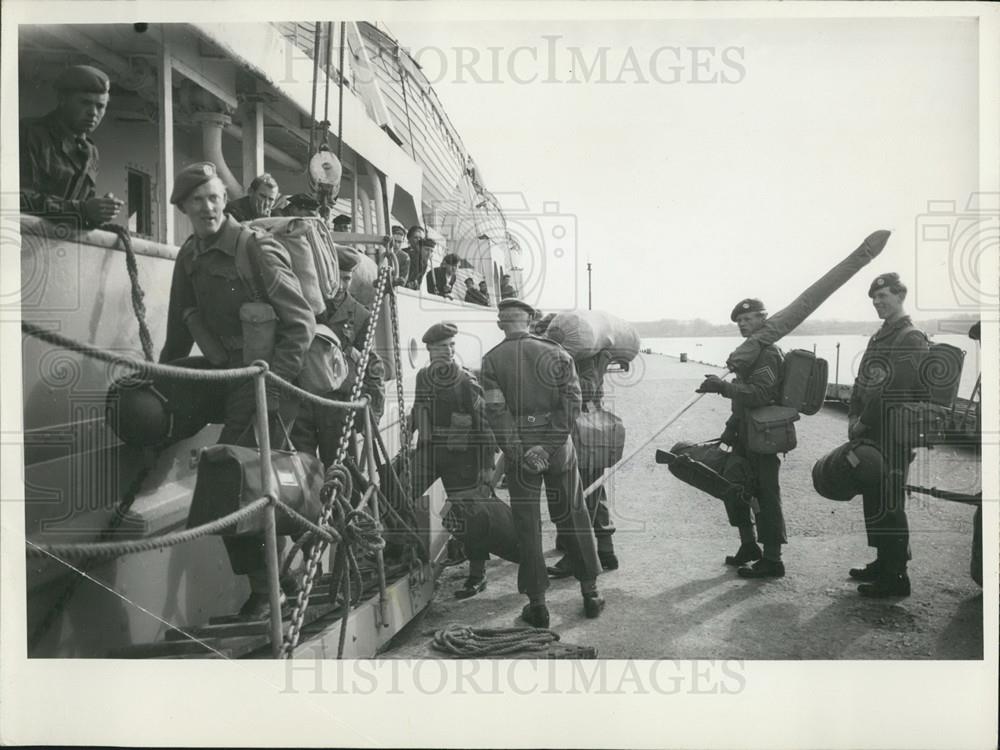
{"x": 267, "y": 505}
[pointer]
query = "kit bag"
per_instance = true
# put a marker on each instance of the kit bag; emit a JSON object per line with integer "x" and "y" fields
{"x": 229, "y": 478}
{"x": 312, "y": 251}
{"x": 941, "y": 373}
{"x": 711, "y": 469}
{"x": 848, "y": 470}
{"x": 804, "y": 379}
{"x": 771, "y": 429}
{"x": 599, "y": 439}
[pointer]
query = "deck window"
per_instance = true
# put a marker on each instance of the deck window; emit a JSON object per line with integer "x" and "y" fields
{"x": 140, "y": 203}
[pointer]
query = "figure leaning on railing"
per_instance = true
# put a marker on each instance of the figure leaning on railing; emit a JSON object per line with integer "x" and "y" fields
{"x": 234, "y": 293}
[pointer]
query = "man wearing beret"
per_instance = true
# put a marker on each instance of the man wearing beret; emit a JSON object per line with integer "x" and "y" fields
{"x": 59, "y": 161}
{"x": 532, "y": 402}
{"x": 453, "y": 439}
{"x": 302, "y": 205}
{"x": 258, "y": 202}
{"x": 319, "y": 427}
{"x": 342, "y": 223}
{"x": 211, "y": 283}
{"x": 888, "y": 373}
{"x": 759, "y": 385}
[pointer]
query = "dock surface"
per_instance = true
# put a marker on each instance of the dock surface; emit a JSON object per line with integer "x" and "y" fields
{"x": 673, "y": 598}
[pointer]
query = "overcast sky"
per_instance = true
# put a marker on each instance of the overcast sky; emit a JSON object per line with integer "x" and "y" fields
{"x": 745, "y": 168}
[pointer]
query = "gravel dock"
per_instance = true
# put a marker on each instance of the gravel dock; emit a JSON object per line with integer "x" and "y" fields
{"x": 674, "y": 598}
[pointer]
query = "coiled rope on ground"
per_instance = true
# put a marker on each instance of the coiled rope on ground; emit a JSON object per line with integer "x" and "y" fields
{"x": 464, "y": 640}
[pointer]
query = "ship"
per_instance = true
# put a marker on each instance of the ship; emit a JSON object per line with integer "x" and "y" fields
{"x": 251, "y": 98}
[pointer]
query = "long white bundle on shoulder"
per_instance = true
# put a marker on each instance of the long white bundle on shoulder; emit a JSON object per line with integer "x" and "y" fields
{"x": 583, "y": 333}
{"x": 784, "y": 322}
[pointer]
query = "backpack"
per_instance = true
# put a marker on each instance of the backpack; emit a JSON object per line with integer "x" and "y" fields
{"x": 940, "y": 371}
{"x": 311, "y": 249}
{"x": 804, "y": 385}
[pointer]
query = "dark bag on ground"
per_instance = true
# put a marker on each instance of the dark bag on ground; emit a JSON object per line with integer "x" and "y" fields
{"x": 485, "y": 525}
{"x": 709, "y": 468}
{"x": 599, "y": 438}
{"x": 771, "y": 429}
{"x": 229, "y": 478}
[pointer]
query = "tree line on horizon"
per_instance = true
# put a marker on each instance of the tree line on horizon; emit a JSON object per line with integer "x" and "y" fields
{"x": 669, "y": 327}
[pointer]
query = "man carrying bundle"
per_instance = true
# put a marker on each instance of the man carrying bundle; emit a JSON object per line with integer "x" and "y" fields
{"x": 755, "y": 386}
{"x": 532, "y": 402}
{"x": 888, "y": 373}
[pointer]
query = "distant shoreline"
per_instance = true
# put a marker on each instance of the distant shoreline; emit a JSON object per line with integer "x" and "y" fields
{"x": 688, "y": 328}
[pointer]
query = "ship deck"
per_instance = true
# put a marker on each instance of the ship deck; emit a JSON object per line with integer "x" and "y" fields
{"x": 672, "y": 596}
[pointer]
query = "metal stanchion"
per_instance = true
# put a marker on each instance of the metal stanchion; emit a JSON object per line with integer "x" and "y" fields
{"x": 270, "y": 527}
{"x": 373, "y": 478}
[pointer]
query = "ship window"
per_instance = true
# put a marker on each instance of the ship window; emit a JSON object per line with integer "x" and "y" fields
{"x": 140, "y": 203}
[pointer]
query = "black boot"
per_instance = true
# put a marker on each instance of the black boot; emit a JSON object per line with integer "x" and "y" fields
{"x": 868, "y": 573}
{"x": 747, "y": 553}
{"x": 536, "y": 615}
{"x": 892, "y": 579}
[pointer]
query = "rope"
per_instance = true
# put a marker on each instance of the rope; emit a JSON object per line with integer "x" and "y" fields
{"x": 406, "y": 104}
{"x": 315, "y": 82}
{"x": 464, "y": 640}
{"x": 339, "y": 482}
{"x": 138, "y": 296}
{"x": 328, "y": 535}
{"x": 312, "y": 398}
{"x": 340, "y": 94}
{"x": 117, "y": 549}
{"x": 326, "y": 86}
{"x": 404, "y": 423}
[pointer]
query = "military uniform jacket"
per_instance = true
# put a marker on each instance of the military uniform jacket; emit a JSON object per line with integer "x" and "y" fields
{"x": 449, "y": 400}
{"x": 759, "y": 385}
{"x": 532, "y": 393}
{"x": 241, "y": 209}
{"x": 348, "y": 318}
{"x": 58, "y": 169}
{"x": 889, "y": 372}
{"x": 205, "y": 276}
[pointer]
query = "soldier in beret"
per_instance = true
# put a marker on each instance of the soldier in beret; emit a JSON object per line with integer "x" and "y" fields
{"x": 342, "y": 223}
{"x": 420, "y": 250}
{"x": 301, "y": 204}
{"x": 318, "y": 427}
{"x": 453, "y": 440}
{"x": 211, "y": 284}
{"x": 889, "y": 372}
{"x": 759, "y": 385}
{"x": 532, "y": 402}
{"x": 59, "y": 161}
{"x": 258, "y": 202}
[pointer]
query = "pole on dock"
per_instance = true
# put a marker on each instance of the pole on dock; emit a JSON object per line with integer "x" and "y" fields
{"x": 589, "y": 291}
{"x": 836, "y": 371}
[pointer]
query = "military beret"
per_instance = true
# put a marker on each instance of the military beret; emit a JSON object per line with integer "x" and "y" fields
{"x": 396, "y": 229}
{"x": 189, "y": 178}
{"x": 83, "y": 78}
{"x": 342, "y": 219}
{"x": 304, "y": 201}
{"x": 513, "y": 303}
{"x": 750, "y": 304}
{"x": 440, "y": 332}
{"x": 883, "y": 281}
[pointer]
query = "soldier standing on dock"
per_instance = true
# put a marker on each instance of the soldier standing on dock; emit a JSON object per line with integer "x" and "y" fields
{"x": 532, "y": 401}
{"x": 759, "y": 385}
{"x": 888, "y": 373}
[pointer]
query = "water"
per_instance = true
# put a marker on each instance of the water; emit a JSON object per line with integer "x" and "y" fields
{"x": 715, "y": 349}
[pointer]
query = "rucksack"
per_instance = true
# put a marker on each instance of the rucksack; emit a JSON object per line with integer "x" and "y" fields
{"x": 311, "y": 250}
{"x": 804, "y": 381}
{"x": 940, "y": 371}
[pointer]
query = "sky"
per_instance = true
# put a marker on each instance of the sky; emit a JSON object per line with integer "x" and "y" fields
{"x": 715, "y": 160}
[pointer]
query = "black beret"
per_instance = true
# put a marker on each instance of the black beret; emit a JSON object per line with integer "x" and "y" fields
{"x": 975, "y": 332}
{"x": 440, "y": 332}
{"x": 343, "y": 219}
{"x": 750, "y": 304}
{"x": 513, "y": 303}
{"x": 189, "y": 178}
{"x": 884, "y": 280}
{"x": 83, "y": 78}
{"x": 303, "y": 200}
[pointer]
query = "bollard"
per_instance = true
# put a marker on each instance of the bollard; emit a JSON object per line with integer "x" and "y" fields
{"x": 684, "y": 357}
